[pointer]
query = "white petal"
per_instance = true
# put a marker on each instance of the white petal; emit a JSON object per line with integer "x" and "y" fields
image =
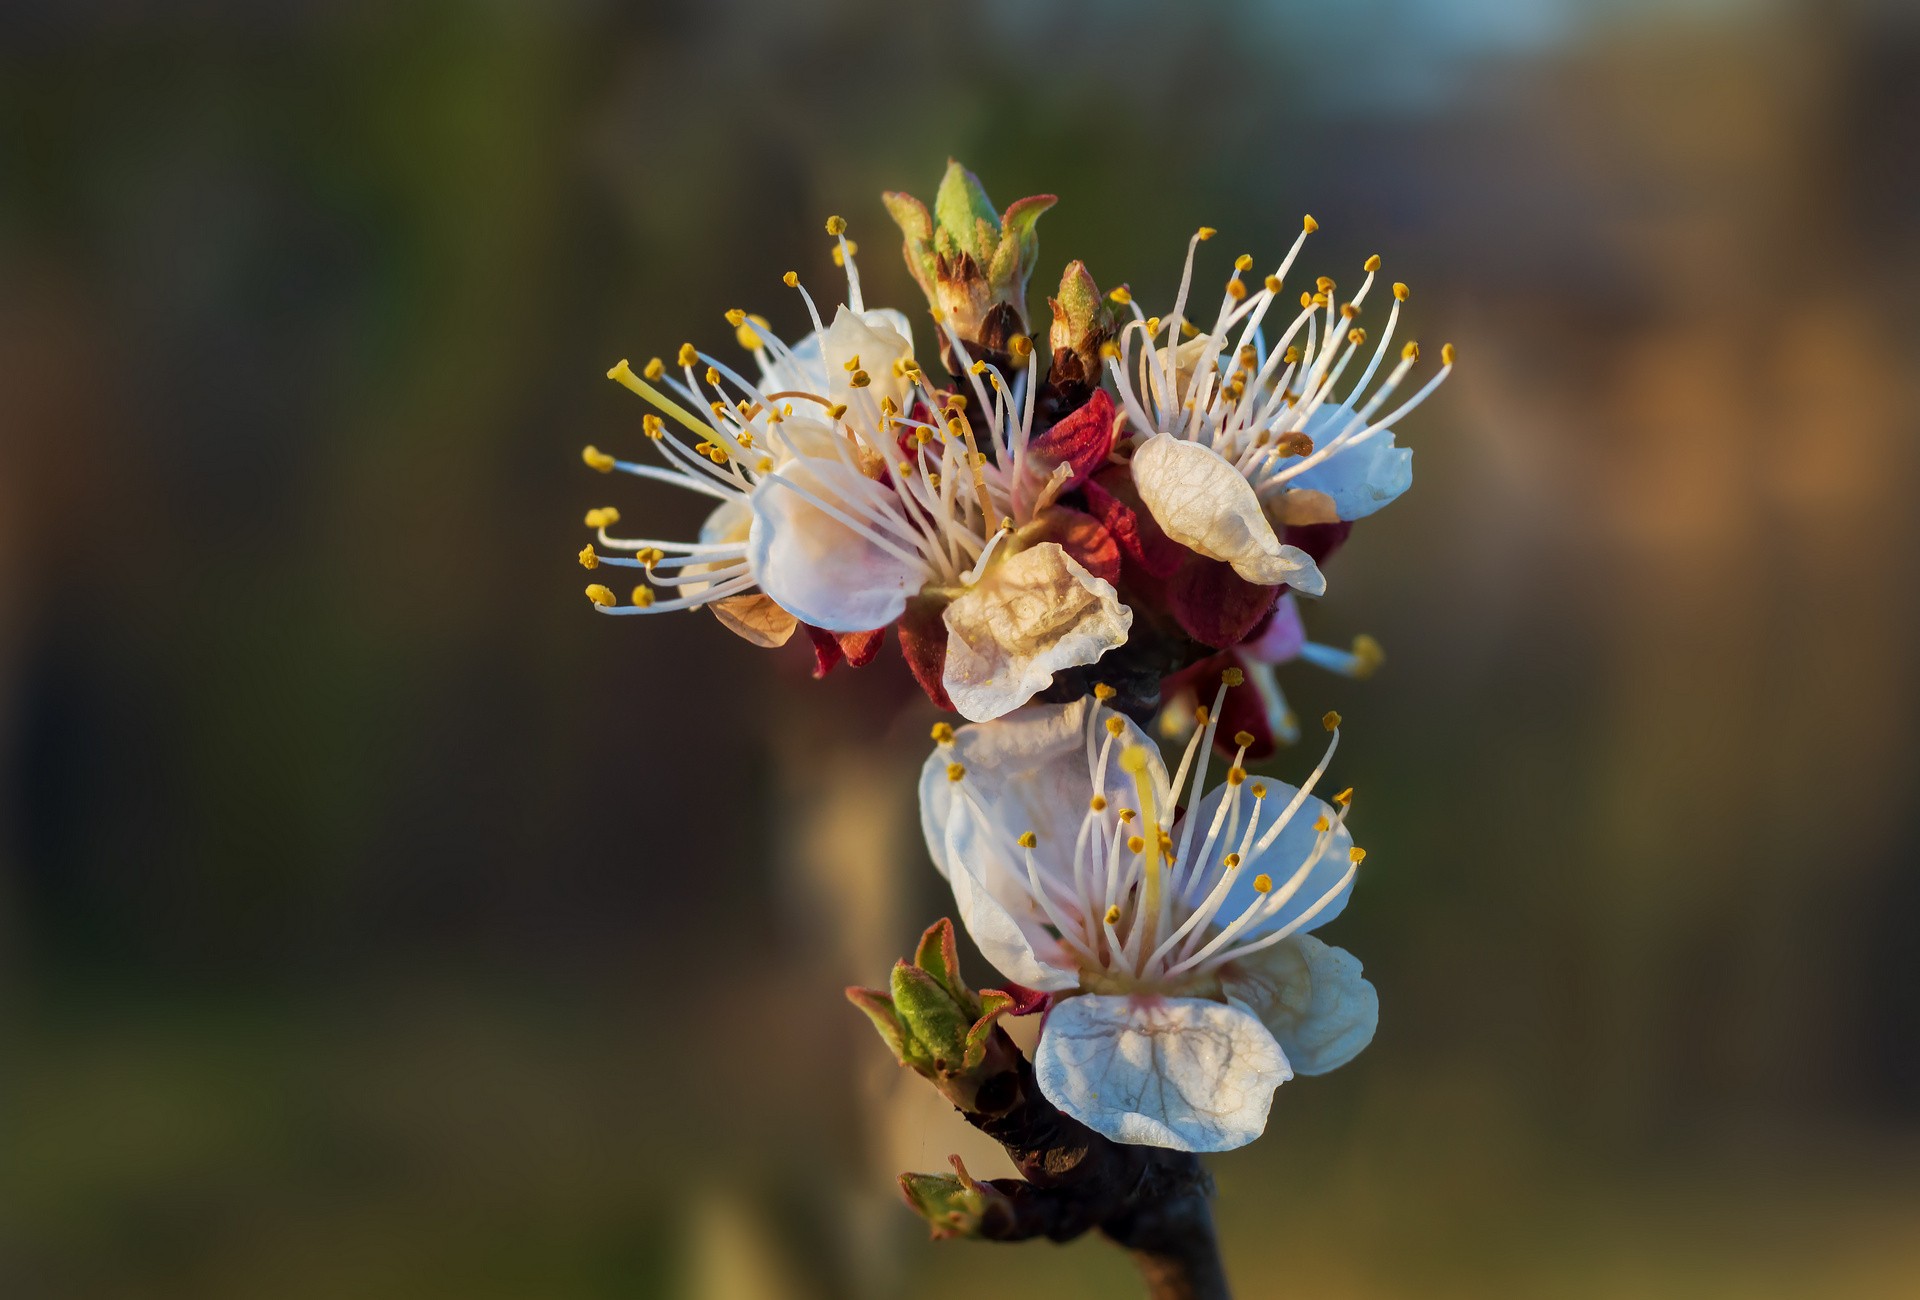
{"x": 1165, "y": 1072}
{"x": 1282, "y": 859}
{"x": 1009, "y": 928}
{"x": 1029, "y": 616}
{"x": 816, "y": 567}
{"x": 877, "y": 339}
{"x": 1313, "y": 998}
{"x": 1353, "y": 482}
{"x": 1201, "y": 501}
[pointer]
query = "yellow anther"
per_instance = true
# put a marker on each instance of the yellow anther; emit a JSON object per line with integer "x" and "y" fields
{"x": 600, "y": 595}
{"x": 1233, "y": 677}
{"x": 588, "y": 560}
{"x": 597, "y": 459}
{"x": 1027, "y": 840}
{"x": 1202, "y": 715}
{"x": 748, "y": 337}
{"x": 1115, "y": 726}
{"x": 837, "y": 410}
{"x": 906, "y": 468}
{"x": 604, "y": 517}
{"x": 942, "y": 733}
{"x": 1098, "y": 803}
{"x": 1206, "y": 233}
{"x": 887, "y": 407}
{"x": 1411, "y": 352}
{"x": 713, "y": 377}
{"x": 1318, "y": 300}
{"x": 1306, "y": 300}
{"x": 1258, "y": 789}
{"x": 923, "y": 435}
{"x": 836, "y": 225}
{"x": 1273, "y": 284}
{"x": 1291, "y": 356}
{"x": 956, "y": 402}
{"x": 1188, "y": 330}
{"x": 840, "y": 252}
{"x": 1244, "y": 262}
{"x": 1324, "y": 284}
{"x": 977, "y": 368}
{"x": 852, "y": 363}
{"x": 1020, "y": 346}
{"x": 1110, "y": 350}
{"x": 1330, "y": 720}
{"x": 1372, "y": 264}
{"x": 1345, "y": 797}
{"x": 1322, "y": 825}
{"x": 791, "y": 279}
{"x": 1103, "y": 692}
{"x": 1236, "y": 290}
{"x": 688, "y": 355}
{"x": 1236, "y": 775}
{"x": 1135, "y": 844}
{"x": 1263, "y": 883}
{"x": 1249, "y": 358}
{"x": 653, "y": 426}
{"x": 1308, "y": 224}
{"x": 1400, "y": 291}
{"x": 643, "y": 596}
{"x": 1356, "y": 855}
{"x": 1243, "y": 738}
{"x": 649, "y": 555}
{"x": 1113, "y": 914}
{"x": 1367, "y": 656}
{"x": 1348, "y": 311}
{"x": 955, "y": 771}
{"x": 1126, "y": 814}
{"x": 1356, "y": 336}
{"x": 736, "y": 318}
{"x": 655, "y": 369}
{"x": 1121, "y": 294}
{"x": 1446, "y": 354}
{"x": 1231, "y": 860}
{"x": 1294, "y": 444}
{"x": 764, "y": 465}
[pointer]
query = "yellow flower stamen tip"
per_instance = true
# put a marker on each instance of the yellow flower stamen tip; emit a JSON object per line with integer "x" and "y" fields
{"x": 655, "y": 369}
{"x": 859, "y": 379}
{"x": 1273, "y": 284}
{"x": 1236, "y": 775}
{"x": 597, "y": 459}
{"x": 836, "y": 225}
{"x": 1098, "y": 803}
{"x": 1121, "y": 295}
{"x": 1110, "y": 350}
{"x": 1400, "y": 291}
{"x": 1231, "y": 860}
{"x": 1233, "y": 677}
{"x": 1103, "y": 692}
{"x": 600, "y": 595}
{"x": 1263, "y": 883}
{"x": 1258, "y": 789}
{"x": 1446, "y": 354}
{"x": 1367, "y": 656}
{"x": 791, "y": 279}
{"x": 1202, "y": 715}
{"x": 1308, "y": 224}
{"x": 942, "y": 733}
{"x": 1135, "y": 844}
{"x": 1020, "y": 346}
{"x": 1205, "y": 233}
{"x": 955, "y": 771}
{"x": 1345, "y": 797}
{"x": 1113, "y": 914}
{"x": 1356, "y": 855}
{"x": 1115, "y": 726}
{"x": 1244, "y": 739}
{"x": 1244, "y": 262}
{"x": 837, "y": 410}
{"x": 1027, "y": 839}
{"x": 687, "y": 355}
{"x": 1322, "y": 825}
{"x": 588, "y": 560}
{"x": 653, "y": 426}
{"x": 1126, "y": 814}
{"x": 748, "y": 336}
{"x": 977, "y": 368}
{"x": 736, "y": 318}
{"x": 643, "y": 596}
{"x": 603, "y": 517}
{"x": 1330, "y": 720}
{"x": 1372, "y": 264}
{"x": 1411, "y": 352}
{"x": 1236, "y": 290}
{"x": 1324, "y": 284}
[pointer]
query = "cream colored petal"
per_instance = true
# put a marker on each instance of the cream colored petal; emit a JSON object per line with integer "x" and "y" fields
{"x": 1204, "y": 503}
{"x": 877, "y": 340}
{"x": 1029, "y": 616}
{"x": 756, "y": 618}
{"x": 1184, "y": 1073}
{"x": 1311, "y": 996}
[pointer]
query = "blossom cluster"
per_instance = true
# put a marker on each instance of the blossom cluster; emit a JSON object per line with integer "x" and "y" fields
{"x": 1070, "y": 537}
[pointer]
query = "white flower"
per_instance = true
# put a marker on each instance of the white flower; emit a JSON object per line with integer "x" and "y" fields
{"x": 1176, "y": 945}
{"x": 848, "y": 486}
{"x": 1240, "y": 435}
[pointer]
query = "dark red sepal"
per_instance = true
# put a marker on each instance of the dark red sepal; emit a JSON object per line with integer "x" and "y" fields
{"x": 1081, "y": 536}
{"x": 1114, "y": 503}
{"x": 1082, "y": 440}
{"x": 1216, "y": 606}
{"x": 923, "y": 643}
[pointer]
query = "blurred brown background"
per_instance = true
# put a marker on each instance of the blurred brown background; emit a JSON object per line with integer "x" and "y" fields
{"x": 378, "y": 922}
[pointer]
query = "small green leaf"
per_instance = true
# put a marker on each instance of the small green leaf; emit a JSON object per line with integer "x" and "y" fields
{"x": 939, "y": 956}
{"x": 935, "y": 1021}
{"x": 878, "y": 1008}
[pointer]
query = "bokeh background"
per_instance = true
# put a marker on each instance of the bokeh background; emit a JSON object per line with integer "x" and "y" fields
{"x": 377, "y": 922}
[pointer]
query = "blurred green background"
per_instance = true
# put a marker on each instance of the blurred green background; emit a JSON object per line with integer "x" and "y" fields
{"x": 377, "y": 922}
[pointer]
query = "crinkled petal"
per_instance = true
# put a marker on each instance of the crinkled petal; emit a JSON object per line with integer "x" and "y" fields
{"x": 1289, "y": 851}
{"x": 1354, "y": 481}
{"x": 1184, "y": 1073}
{"x": 1201, "y": 501}
{"x": 1029, "y": 616}
{"x": 1311, "y": 996}
{"x": 816, "y": 567}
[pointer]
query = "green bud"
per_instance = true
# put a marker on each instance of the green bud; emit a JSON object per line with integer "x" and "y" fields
{"x": 1082, "y": 323}
{"x": 933, "y": 1018}
{"x": 939, "y": 956}
{"x": 972, "y": 263}
{"x": 952, "y": 1207}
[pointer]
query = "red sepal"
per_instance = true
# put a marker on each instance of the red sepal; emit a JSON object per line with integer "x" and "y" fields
{"x": 1026, "y": 1001}
{"x": 826, "y": 649}
{"x": 1111, "y": 497}
{"x": 1243, "y": 708}
{"x": 861, "y": 647}
{"x": 1083, "y": 439}
{"x": 923, "y": 643}
{"x": 1081, "y": 536}
{"x": 1216, "y": 606}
